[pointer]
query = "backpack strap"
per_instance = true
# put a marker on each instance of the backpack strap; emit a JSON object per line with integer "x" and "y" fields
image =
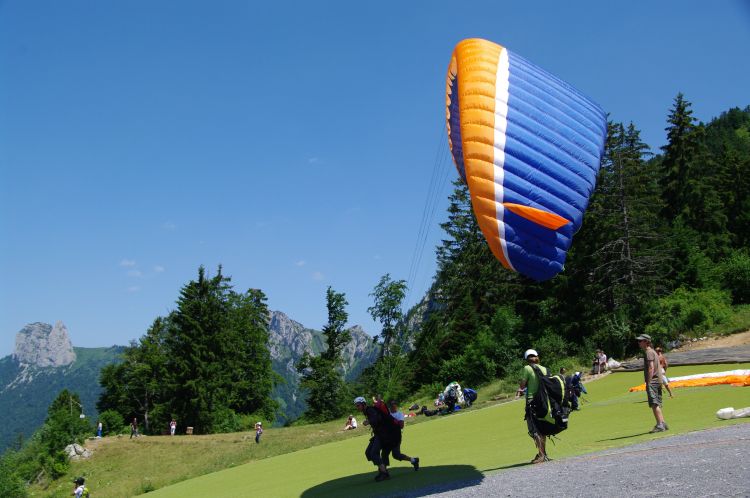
{"x": 537, "y": 370}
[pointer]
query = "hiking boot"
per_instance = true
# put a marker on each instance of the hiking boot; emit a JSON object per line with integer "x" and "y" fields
{"x": 658, "y": 428}
{"x": 540, "y": 459}
{"x": 382, "y": 476}
{"x": 416, "y": 464}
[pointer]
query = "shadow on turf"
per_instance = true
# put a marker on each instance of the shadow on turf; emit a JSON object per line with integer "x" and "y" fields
{"x": 403, "y": 482}
{"x": 623, "y": 437}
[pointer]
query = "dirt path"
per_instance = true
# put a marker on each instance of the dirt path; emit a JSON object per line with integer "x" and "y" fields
{"x": 741, "y": 339}
{"x": 729, "y": 349}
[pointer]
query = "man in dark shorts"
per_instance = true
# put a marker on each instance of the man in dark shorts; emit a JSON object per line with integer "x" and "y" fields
{"x": 530, "y": 384}
{"x": 652, "y": 376}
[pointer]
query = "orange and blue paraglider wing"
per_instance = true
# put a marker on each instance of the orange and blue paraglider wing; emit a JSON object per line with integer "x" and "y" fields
{"x": 529, "y": 147}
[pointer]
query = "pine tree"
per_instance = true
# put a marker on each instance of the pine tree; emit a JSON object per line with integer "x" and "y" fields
{"x": 327, "y": 394}
{"x": 681, "y": 147}
{"x": 250, "y": 377}
{"x": 630, "y": 262}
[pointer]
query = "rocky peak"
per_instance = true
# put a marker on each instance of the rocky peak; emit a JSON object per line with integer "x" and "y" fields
{"x": 286, "y": 333}
{"x": 42, "y": 345}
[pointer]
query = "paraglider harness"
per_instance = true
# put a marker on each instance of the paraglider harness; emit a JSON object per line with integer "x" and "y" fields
{"x": 453, "y": 395}
{"x": 470, "y": 396}
{"x": 550, "y": 406}
{"x": 387, "y": 431}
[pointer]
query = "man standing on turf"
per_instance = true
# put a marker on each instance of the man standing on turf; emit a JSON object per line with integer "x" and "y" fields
{"x": 652, "y": 376}
{"x": 530, "y": 383}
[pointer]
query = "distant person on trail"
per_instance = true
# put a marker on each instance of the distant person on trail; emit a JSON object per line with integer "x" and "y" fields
{"x": 664, "y": 364}
{"x": 351, "y": 423}
{"x": 134, "y": 428}
{"x": 652, "y": 376}
{"x": 384, "y": 436}
{"x": 99, "y": 429}
{"x": 258, "y": 431}
{"x": 398, "y": 417}
{"x": 530, "y": 384}
{"x": 172, "y": 427}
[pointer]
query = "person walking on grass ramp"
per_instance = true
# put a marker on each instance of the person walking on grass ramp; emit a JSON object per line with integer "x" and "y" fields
{"x": 397, "y": 418}
{"x": 547, "y": 403}
{"x": 384, "y": 436}
{"x": 530, "y": 384}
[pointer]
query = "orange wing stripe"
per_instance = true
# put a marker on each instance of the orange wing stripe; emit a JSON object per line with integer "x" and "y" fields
{"x": 544, "y": 218}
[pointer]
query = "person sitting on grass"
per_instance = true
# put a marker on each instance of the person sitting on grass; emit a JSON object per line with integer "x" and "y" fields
{"x": 351, "y": 423}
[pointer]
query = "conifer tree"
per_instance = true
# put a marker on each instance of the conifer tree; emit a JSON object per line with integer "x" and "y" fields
{"x": 327, "y": 395}
{"x": 630, "y": 261}
{"x": 681, "y": 147}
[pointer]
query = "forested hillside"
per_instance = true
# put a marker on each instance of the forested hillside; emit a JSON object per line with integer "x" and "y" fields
{"x": 663, "y": 249}
{"x": 28, "y": 391}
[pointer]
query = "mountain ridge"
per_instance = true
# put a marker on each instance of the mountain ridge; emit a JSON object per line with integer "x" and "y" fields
{"x": 45, "y": 361}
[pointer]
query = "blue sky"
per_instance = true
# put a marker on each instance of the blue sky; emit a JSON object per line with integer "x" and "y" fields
{"x": 293, "y": 143}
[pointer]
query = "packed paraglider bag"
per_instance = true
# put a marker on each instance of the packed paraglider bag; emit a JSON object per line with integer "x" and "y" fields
{"x": 550, "y": 406}
{"x": 470, "y": 396}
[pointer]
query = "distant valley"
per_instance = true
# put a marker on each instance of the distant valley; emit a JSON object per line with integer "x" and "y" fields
{"x": 44, "y": 362}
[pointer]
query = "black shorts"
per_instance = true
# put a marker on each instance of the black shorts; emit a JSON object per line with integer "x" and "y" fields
{"x": 531, "y": 422}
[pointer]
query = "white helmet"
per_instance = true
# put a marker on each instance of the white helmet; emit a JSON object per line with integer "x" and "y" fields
{"x": 359, "y": 399}
{"x": 530, "y": 352}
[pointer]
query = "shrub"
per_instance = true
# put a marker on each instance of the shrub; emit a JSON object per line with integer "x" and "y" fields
{"x": 112, "y": 422}
{"x": 225, "y": 420}
{"x": 687, "y": 312}
{"x": 735, "y": 276}
{"x": 11, "y": 483}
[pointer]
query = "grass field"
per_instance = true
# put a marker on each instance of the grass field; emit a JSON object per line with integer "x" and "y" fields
{"x": 318, "y": 461}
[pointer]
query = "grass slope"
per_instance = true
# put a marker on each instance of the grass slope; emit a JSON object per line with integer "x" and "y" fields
{"x": 464, "y": 446}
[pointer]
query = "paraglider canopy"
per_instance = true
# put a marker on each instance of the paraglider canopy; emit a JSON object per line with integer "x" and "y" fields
{"x": 529, "y": 147}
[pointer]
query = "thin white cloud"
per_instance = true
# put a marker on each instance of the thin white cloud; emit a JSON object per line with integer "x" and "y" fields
{"x": 316, "y": 275}
{"x": 128, "y": 263}
{"x": 300, "y": 263}
{"x": 313, "y": 160}
{"x": 158, "y": 269}
{"x": 135, "y": 273}
{"x": 133, "y": 288}
{"x": 377, "y": 257}
{"x": 169, "y": 226}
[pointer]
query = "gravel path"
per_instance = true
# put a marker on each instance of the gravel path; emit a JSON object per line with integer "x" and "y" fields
{"x": 706, "y": 463}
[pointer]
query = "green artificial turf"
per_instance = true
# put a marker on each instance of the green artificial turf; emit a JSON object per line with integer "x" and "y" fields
{"x": 468, "y": 446}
